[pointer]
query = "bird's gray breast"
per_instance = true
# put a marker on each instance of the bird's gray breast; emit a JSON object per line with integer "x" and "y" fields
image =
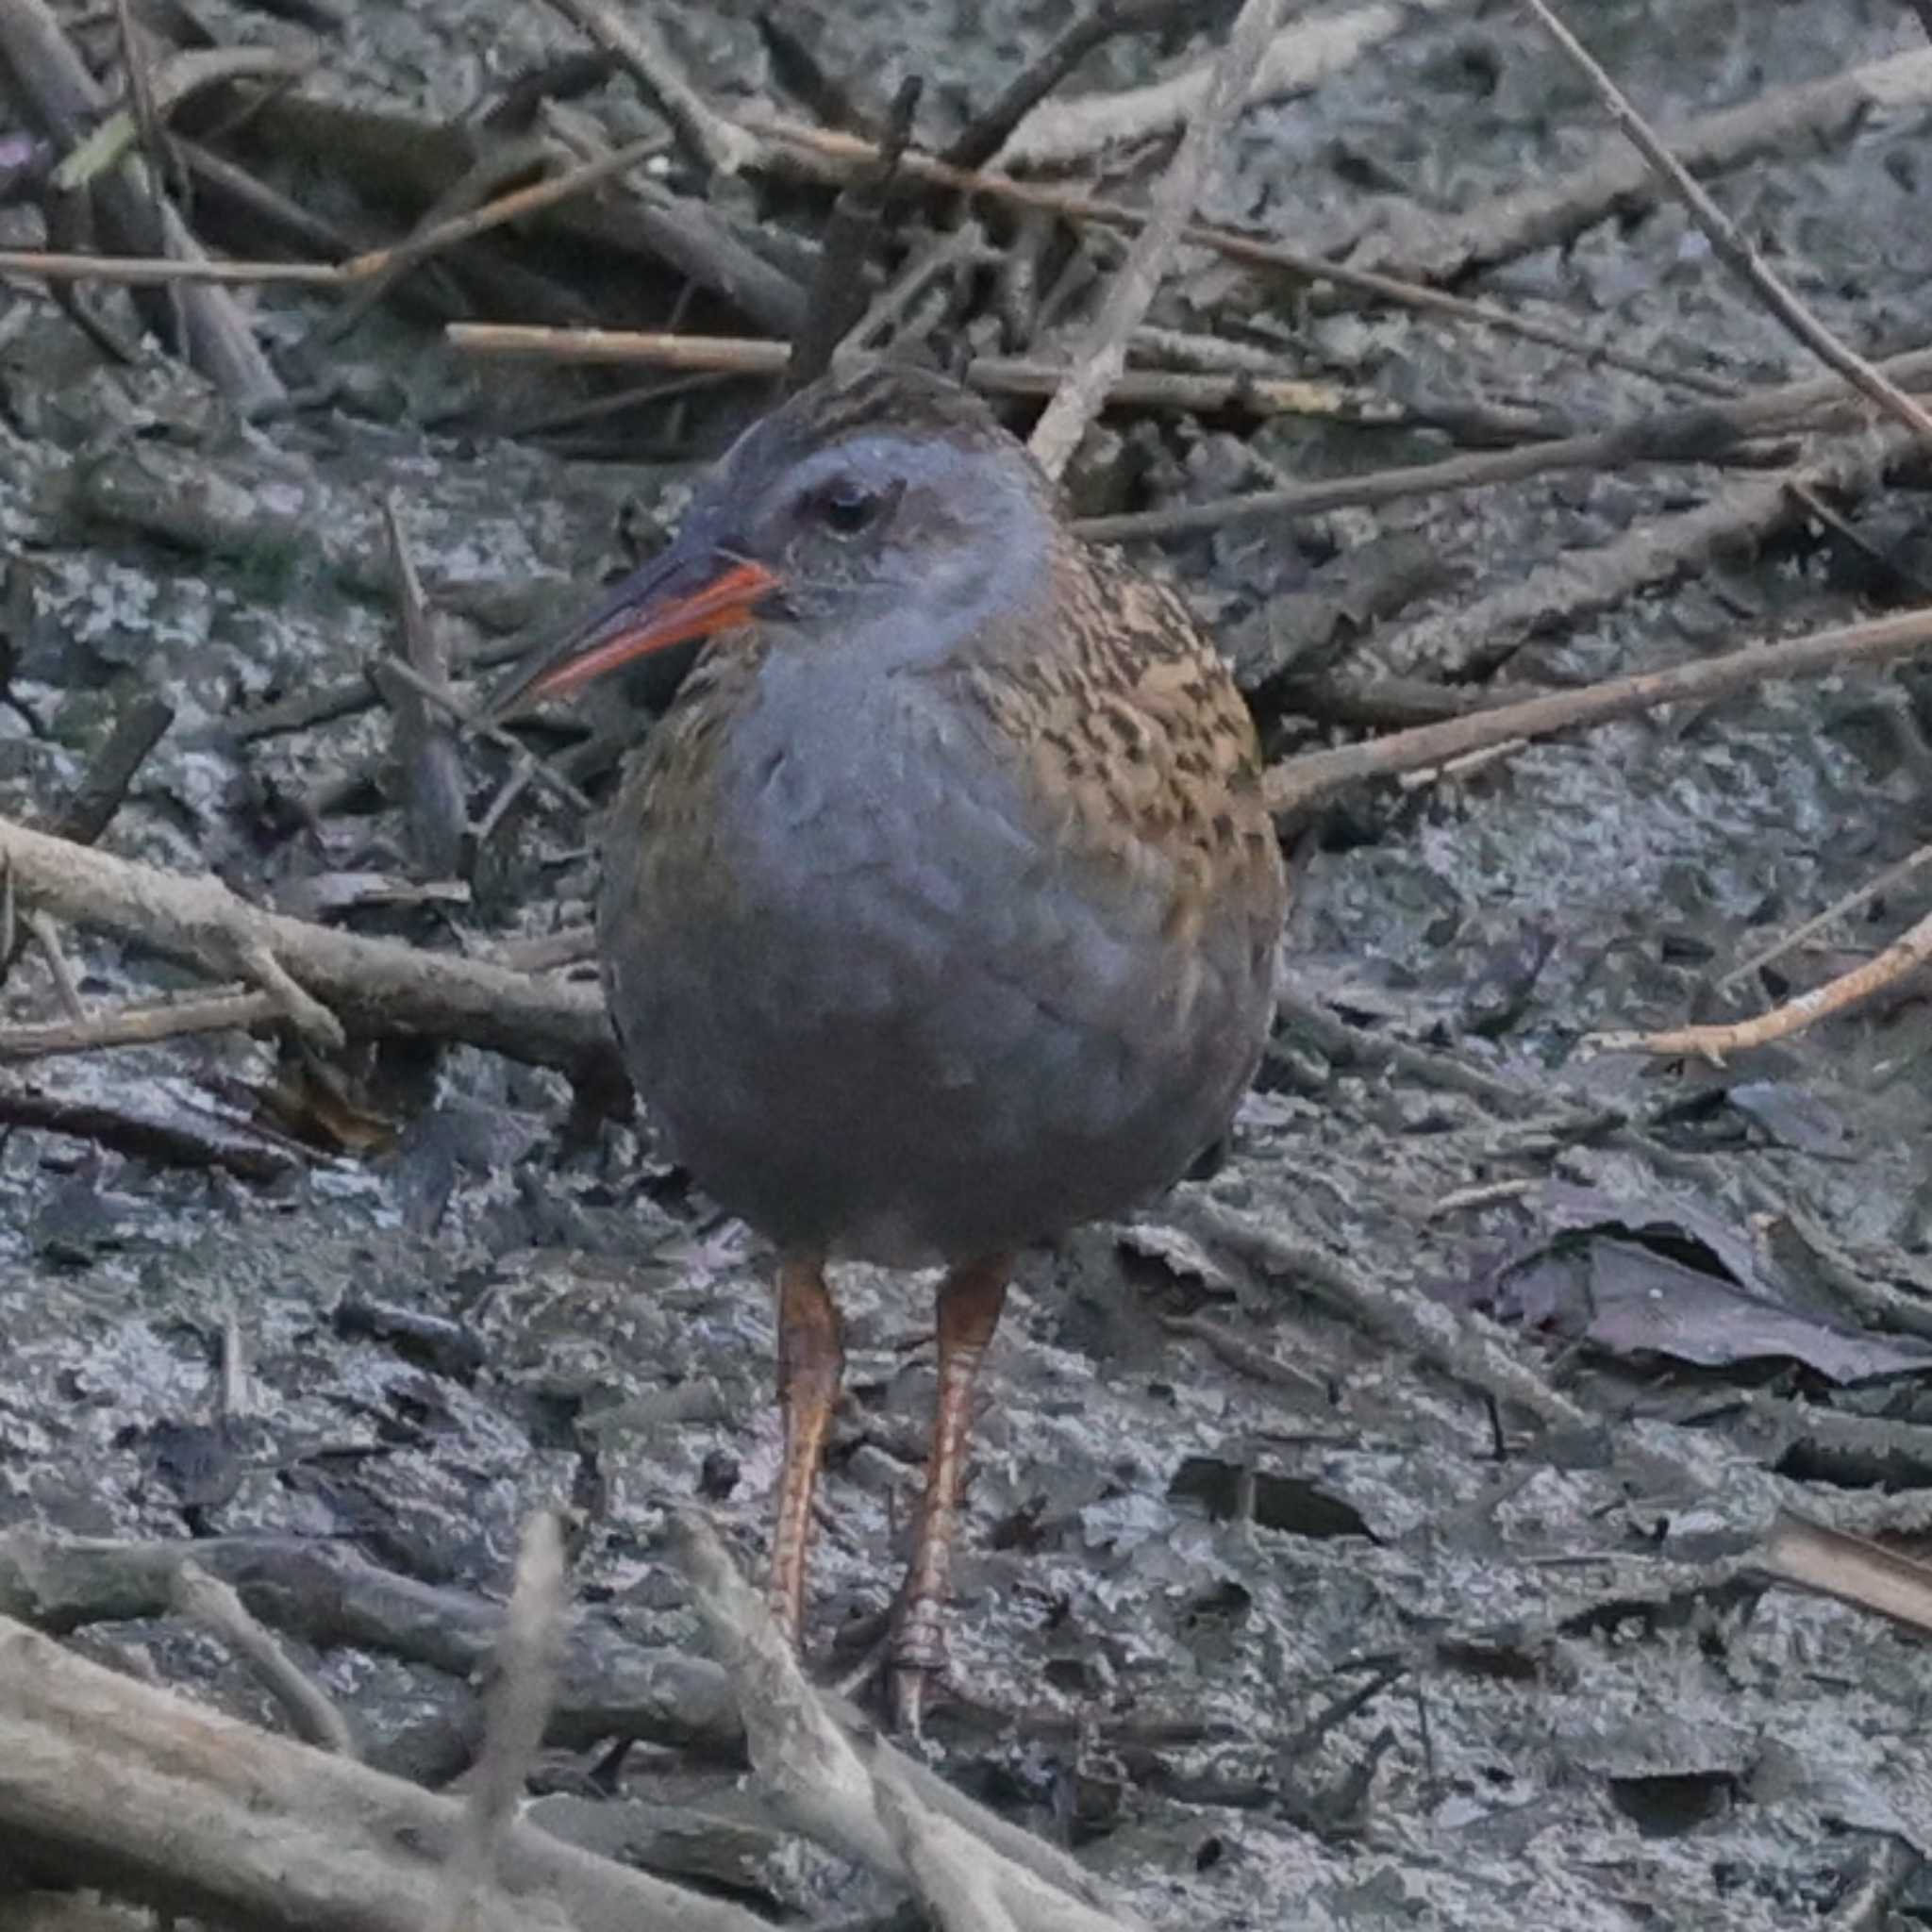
{"x": 876, "y": 1010}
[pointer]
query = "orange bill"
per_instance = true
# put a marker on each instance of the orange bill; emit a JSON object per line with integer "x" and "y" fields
{"x": 673, "y": 599}
{"x": 654, "y": 623}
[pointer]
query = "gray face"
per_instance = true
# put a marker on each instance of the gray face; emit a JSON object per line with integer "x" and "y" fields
{"x": 874, "y": 522}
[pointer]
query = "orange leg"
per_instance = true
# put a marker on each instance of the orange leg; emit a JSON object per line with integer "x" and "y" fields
{"x": 970, "y": 1301}
{"x": 811, "y": 1360}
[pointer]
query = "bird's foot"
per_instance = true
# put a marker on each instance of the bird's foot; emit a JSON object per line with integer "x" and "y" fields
{"x": 901, "y": 1669}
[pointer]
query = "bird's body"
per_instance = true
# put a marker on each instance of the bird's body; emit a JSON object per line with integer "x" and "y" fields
{"x": 940, "y": 911}
{"x": 892, "y": 996}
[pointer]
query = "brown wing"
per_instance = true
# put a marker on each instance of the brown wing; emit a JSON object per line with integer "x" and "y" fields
{"x": 1136, "y": 739}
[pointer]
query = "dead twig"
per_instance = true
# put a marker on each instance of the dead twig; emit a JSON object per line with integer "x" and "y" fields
{"x": 1729, "y": 242}
{"x": 1060, "y": 134}
{"x": 835, "y": 157}
{"x": 632, "y": 37}
{"x": 1154, "y": 388}
{"x": 851, "y": 239}
{"x": 520, "y": 1703}
{"x": 1905, "y": 955}
{"x": 1103, "y": 356}
{"x": 139, "y": 1026}
{"x": 426, "y": 750}
{"x": 988, "y": 131}
{"x": 60, "y": 95}
{"x": 1839, "y": 908}
{"x": 1701, "y": 433}
{"x": 209, "y": 1602}
{"x": 318, "y": 978}
{"x": 1473, "y": 638}
{"x": 1296, "y": 783}
{"x": 1552, "y": 212}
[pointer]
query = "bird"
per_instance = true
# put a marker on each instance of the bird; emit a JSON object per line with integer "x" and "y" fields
{"x": 940, "y": 911}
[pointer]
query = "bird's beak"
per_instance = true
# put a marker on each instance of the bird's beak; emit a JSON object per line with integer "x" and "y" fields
{"x": 671, "y": 600}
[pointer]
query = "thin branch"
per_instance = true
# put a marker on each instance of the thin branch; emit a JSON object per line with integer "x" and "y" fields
{"x": 1296, "y": 783}
{"x": 213, "y": 1603}
{"x": 1099, "y": 364}
{"x": 1905, "y": 954}
{"x": 519, "y": 1702}
{"x": 1729, "y": 243}
{"x": 1839, "y": 908}
{"x": 719, "y": 143}
{"x": 835, "y": 157}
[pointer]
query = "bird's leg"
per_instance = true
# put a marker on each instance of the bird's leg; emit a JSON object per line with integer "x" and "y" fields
{"x": 970, "y": 1300}
{"x": 811, "y": 1360}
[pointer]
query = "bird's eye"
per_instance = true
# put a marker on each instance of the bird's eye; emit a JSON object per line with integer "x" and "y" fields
{"x": 845, "y": 508}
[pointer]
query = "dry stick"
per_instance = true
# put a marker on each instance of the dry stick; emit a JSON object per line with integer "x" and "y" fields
{"x": 1019, "y": 375}
{"x": 690, "y": 237}
{"x": 139, "y": 1026}
{"x": 209, "y": 1602}
{"x": 58, "y": 93}
{"x": 839, "y": 157}
{"x": 1905, "y": 954}
{"x": 378, "y": 986}
{"x": 836, "y": 155}
{"x": 1100, "y": 363}
{"x": 446, "y": 700}
{"x": 46, "y": 935}
{"x": 851, "y": 237}
{"x": 1472, "y": 638}
{"x": 519, "y": 1702}
{"x": 717, "y": 143}
{"x": 425, "y": 751}
{"x": 1297, "y": 783}
{"x": 1891, "y": 875}
{"x": 126, "y": 1785}
{"x": 1701, "y": 433}
{"x": 821, "y": 1785}
{"x": 988, "y": 131}
{"x": 138, "y": 271}
{"x": 1730, "y": 245}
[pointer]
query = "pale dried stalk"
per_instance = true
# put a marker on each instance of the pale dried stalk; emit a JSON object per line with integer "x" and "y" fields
{"x": 1099, "y": 365}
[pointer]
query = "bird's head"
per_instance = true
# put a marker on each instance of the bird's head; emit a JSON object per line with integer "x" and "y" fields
{"x": 894, "y": 496}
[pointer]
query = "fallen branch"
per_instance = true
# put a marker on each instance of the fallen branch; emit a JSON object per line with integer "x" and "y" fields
{"x": 1005, "y": 376}
{"x": 324, "y": 1593}
{"x": 113, "y": 1783}
{"x": 1471, "y": 638}
{"x": 1701, "y": 433}
{"x": 321, "y": 979}
{"x": 54, "y": 90}
{"x": 1296, "y": 783}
